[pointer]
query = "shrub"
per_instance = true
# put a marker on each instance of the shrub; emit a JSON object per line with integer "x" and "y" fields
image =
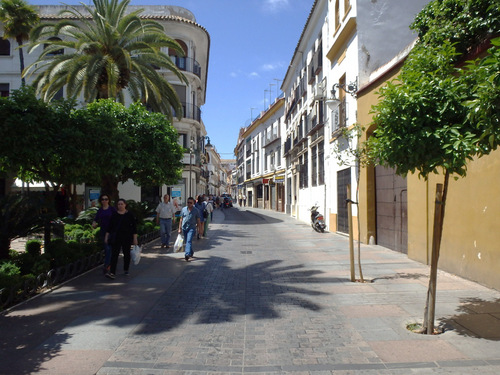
{"x": 87, "y": 216}
{"x": 10, "y": 274}
{"x": 34, "y": 247}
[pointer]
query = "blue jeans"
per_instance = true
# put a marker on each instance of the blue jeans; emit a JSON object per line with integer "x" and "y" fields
{"x": 165, "y": 230}
{"x": 188, "y": 241}
{"x": 107, "y": 255}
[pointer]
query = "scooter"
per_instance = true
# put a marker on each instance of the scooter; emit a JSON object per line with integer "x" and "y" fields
{"x": 317, "y": 220}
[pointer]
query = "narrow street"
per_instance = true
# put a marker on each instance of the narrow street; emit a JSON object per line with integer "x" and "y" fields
{"x": 264, "y": 294}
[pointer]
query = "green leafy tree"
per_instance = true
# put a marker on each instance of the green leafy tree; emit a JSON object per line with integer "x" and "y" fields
{"x": 438, "y": 115}
{"x": 48, "y": 143}
{"x": 147, "y": 150}
{"x": 104, "y": 54}
{"x": 18, "y": 18}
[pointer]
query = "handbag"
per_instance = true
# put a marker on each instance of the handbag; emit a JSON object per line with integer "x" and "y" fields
{"x": 135, "y": 254}
{"x": 179, "y": 242}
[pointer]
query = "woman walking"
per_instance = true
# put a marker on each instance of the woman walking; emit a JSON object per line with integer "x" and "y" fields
{"x": 121, "y": 234}
{"x": 102, "y": 219}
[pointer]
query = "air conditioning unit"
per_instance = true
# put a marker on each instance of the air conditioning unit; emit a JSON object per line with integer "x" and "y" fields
{"x": 319, "y": 91}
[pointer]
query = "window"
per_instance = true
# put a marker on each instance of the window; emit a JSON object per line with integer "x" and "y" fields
{"x": 4, "y": 89}
{"x": 59, "y": 95}
{"x": 337, "y": 14}
{"x": 314, "y": 166}
{"x": 4, "y": 47}
{"x": 347, "y": 6}
{"x": 56, "y": 52}
{"x": 183, "y": 140}
{"x": 321, "y": 163}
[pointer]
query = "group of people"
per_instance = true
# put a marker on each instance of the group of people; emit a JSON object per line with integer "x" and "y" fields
{"x": 118, "y": 233}
{"x": 119, "y": 228}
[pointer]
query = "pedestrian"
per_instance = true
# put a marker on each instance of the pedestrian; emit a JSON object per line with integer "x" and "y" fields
{"x": 190, "y": 220}
{"x": 200, "y": 205}
{"x": 211, "y": 201}
{"x": 210, "y": 209}
{"x": 121, "y": 234}
{"x": 244, "y": 200}
{"x": 164, "y": 215}
{"x": 102, "y": 219}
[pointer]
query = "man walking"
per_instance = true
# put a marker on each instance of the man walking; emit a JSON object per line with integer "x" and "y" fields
{"x": 190, "y": 219}
{"x": 164, "y": 214}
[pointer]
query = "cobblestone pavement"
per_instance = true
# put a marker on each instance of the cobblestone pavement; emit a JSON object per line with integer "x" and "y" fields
{"x": 265, "y": 294}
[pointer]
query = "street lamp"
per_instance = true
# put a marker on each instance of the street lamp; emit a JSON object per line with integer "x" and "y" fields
{"x": 190, "y": 167}
{"x": 208, "y": 148}
{"x": 334, "y": 102}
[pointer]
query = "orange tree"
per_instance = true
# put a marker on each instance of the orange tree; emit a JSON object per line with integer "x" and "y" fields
{"x": 442, "y": 111}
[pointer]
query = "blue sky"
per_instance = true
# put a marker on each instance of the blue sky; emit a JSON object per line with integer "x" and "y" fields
{"x": 252, "y": 43}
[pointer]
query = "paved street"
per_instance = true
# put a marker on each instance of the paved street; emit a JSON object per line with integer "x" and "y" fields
{"x": 264, "y": 294}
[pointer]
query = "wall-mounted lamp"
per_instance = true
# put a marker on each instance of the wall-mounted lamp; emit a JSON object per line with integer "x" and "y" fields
{"x": 208, "y": 146}
{"x": 350, "y": 88}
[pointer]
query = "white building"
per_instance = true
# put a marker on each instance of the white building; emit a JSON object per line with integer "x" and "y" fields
{"x": 260, "y": 163}
{"x": 180, "y": 24}
{"x": 342, "y": 45}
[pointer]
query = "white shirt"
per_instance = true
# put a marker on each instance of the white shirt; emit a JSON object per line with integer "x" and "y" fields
{"x": 166, "y": 210}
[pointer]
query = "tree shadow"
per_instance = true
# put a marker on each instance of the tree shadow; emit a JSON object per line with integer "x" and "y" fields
{"x": 215, "y": 293}
{"x": 476, "y": 318}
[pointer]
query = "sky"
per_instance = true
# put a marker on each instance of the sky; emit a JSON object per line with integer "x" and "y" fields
{"x": 251, "y": 45}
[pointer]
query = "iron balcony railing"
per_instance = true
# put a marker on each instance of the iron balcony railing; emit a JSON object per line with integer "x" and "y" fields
{"x": 187, "y": 64}
{"x": 190, "y": 111}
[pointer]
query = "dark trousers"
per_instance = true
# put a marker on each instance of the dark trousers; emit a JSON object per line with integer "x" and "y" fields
{"x": 117, "y": 247}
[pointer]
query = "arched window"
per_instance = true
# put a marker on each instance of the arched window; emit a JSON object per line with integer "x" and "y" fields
{"x": 180, "y": 62}
{"x": 4, "y": 47}
{"x": 56, "y": 52}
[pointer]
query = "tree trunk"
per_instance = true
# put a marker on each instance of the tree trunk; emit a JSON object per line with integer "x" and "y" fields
{"x": 440, "y": 204}
{"x": 21, "y": 60}
{"x": 109, "y": 185}
{"x": 4, "y": 248}
{"x": 361, "y": 278}
{"x": 351, "y": 240}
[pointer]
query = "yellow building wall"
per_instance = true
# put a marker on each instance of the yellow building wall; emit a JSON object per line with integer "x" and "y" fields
{"x": 366, "y": 208}
{"x": 470, "y": 244}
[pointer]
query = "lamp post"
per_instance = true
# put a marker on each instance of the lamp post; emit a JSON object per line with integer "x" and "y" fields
{"x": 208, "y": 148}
{"x": 190, "y": 168}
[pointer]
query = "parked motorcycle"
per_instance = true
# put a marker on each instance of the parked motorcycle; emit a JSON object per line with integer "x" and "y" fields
{"x": 317, "y": 220}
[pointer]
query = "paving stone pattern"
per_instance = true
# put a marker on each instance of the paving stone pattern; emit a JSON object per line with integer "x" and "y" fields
{"x": 265, "y": 294}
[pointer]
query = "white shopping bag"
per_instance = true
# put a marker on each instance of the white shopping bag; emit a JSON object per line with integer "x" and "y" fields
{"x": 179, "y": 242}
{"x": 135, "y": 254}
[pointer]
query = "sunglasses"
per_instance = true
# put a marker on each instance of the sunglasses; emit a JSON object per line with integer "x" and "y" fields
{"x": 190, "y": 202}
{"x": 105, "y": 199}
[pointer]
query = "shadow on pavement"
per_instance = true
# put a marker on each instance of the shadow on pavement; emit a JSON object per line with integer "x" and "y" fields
{"x": 215, "y": 293}
{"x": 477, "y": 318}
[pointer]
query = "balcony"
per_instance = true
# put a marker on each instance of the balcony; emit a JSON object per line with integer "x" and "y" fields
{"x": 270, "y": 138}
{"x": 190, "y": 111}
{"x": 187, "y": 64}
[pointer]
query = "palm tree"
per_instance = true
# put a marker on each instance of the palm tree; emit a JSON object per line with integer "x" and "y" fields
{"x": 108, "y": 50}
{"x": 18, "y": 18}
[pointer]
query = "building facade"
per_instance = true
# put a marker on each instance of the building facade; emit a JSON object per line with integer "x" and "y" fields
{"x": 260, "y": 165}
{"x": 180, "y": 24}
